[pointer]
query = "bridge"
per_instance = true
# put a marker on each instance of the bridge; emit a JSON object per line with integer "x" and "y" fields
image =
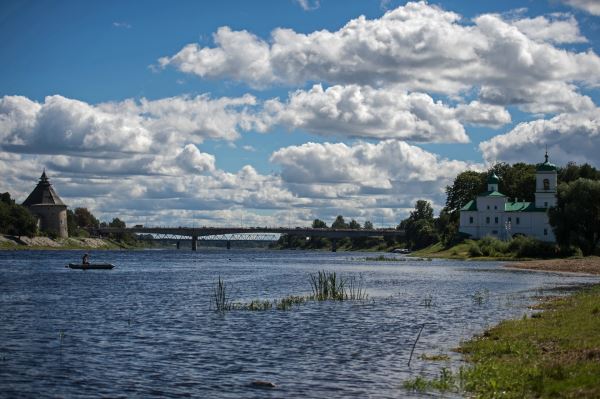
{"x": 196, "y": 233}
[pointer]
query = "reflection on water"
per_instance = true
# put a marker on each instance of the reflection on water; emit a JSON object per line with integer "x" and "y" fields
{"x": 146, "y": 328}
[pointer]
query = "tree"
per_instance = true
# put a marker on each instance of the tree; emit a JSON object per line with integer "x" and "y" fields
{"x": 84, "y": 218}
{"x": 419, "y": 226}
{"x": 339, "y": 223}
{"x": 576, "y": 217}
{"x": 15, "y": 219}
{"x": 5, "y": 199}
{"x": 354, "y": 225}
{"x": 464, "y": 188}
{"x": 319, "y": 224}
{"x": 423, "y": 211}
{"x": 368, "y": 225}
{"x": 572, "y": 172}
{"x": 118, "y": 223}
{"x": 518, "y": 181}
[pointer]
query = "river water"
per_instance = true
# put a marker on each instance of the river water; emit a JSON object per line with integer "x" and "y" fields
{"x": 147, "y": 327}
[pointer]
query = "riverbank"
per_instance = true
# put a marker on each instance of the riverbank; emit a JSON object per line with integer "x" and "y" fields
{"x": 22, "y": 243}
{"x": 589, "y": 265}
{"x": 555, "y": 353}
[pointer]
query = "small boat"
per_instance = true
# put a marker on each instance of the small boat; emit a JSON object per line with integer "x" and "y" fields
{"x": 81, "y": 266}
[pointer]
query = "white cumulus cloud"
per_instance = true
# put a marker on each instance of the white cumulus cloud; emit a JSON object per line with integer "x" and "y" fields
{"x": 418, "y": 46}
{"x": 591, "y": 6}
{"x": 569, "y": 137}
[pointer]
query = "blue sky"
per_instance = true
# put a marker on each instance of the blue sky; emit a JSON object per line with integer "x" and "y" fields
{"x": 396, "y": 112}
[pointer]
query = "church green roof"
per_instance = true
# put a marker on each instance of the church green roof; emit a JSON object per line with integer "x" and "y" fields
{"x": 522, "y": 207}
{"x": 470, "y": 206}
{"x": 546, "y": 166}
{"x": 493, "y": 179}
{"x": 491, "y": 194}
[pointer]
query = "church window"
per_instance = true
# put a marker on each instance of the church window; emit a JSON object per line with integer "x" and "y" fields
{"x": 495, "y": 206}
{"x": 545, "y": 232}
{"x": 487, "y": 220}
{"x": 518, "y": 220}
{"x": 496, "y": 220}
{"x": 488, "y": 207}
{"x": 546, "y": 184}
{"x": 545, "y": 205}
{"x": 509, "y": 219}
{"x": 471, "y": 219}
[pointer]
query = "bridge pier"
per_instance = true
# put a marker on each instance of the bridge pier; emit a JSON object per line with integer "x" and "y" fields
{"x": 333, "y": 245}
{"x": 194, "y": 243}
{"x": 228, "y": 244}
{"x": 178, "y": 243}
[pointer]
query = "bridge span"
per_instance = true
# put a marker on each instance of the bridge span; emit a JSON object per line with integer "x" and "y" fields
{"x": 196, "y": 232}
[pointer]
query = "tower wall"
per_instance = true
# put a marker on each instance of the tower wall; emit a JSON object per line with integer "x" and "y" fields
{"x": 53, "y": 218}
{"x": 545, "y": 189}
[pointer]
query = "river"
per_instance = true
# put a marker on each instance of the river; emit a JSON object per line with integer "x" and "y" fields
{"x": 148, "y": 328}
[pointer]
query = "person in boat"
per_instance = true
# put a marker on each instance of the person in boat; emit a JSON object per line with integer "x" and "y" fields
{"x": 86, "y": 259}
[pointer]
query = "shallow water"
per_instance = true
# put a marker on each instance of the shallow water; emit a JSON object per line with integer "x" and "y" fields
{"x": 146, "y": 328}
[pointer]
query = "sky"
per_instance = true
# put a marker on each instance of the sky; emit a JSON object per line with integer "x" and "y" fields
{"x": 274, "y": 113}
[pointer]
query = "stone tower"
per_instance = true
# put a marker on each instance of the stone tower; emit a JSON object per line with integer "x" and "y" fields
{"x": 50, "y": 210}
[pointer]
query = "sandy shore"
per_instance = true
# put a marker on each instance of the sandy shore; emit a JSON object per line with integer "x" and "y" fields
{"x": 589, "y": 265}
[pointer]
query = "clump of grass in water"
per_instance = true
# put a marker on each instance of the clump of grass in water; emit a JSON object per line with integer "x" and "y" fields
{"x": 355, "y": 289}
{"x": 427, "y": 301}
{"x": 327, "y": 286}
{"x": 481, "y": 296}
{"x": 221, "y": 300}
{"x": 254, "y": 305}
{"x": 287, "y": 302}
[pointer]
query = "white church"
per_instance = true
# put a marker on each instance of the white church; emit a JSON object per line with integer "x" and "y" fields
{"x": 492, "y": 214}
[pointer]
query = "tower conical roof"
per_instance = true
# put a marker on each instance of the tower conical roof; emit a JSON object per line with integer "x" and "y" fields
{"x": 43, "y": 193}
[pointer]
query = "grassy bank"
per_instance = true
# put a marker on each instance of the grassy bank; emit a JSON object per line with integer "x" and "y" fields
{"x": 516, "y": 248}
{"x": 554, "y": 354}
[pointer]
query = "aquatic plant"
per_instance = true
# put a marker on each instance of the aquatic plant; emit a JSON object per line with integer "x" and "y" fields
{"x": 326, "y": 285}
{"x": 427, "y": 301}
{"x": 355, "y": 289}
{"x": 221, "y": 300}
{"x": 287, "y": 302}
{"x": 481, "y": 296}
{"x": 254, "y": 305}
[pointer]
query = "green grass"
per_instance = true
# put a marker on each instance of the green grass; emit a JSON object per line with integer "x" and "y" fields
{"x": 556, "y": 354}
{"x": 553, "y": 354}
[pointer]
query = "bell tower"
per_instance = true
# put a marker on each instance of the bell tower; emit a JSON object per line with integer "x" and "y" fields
{"x": 545, "y": 184}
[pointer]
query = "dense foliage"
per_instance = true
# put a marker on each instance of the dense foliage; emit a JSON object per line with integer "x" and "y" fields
{"x": 576, "y": 217}
{"x": 15, "y": 219}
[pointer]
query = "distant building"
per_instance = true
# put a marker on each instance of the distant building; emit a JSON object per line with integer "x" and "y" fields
{"x": 492, "y": 214}
{"x": 50, "y": 210}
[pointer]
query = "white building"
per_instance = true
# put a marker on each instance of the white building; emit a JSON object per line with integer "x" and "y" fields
{"x": 492, "y": 214}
